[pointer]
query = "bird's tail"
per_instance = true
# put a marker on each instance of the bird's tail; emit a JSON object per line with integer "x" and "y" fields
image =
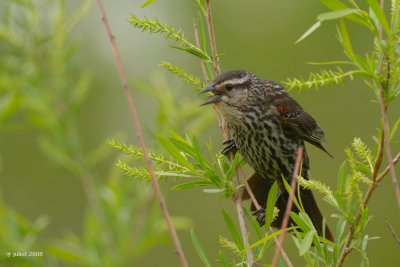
{"x": 260, "y": 188}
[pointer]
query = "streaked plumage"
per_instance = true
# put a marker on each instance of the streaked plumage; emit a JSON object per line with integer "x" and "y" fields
{"x": 267, "y": 126}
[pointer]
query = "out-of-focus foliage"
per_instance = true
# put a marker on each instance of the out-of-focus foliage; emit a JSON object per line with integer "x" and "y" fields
{"x": 39, "y": 79}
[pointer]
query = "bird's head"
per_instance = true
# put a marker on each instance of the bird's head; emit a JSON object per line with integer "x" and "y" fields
{"x": 230, "y": 90}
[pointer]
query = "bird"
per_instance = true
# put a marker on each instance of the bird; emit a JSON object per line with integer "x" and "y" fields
{"x": 267, "y": 126}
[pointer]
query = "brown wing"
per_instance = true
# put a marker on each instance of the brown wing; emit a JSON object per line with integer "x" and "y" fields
{"x": 296, "y": 120}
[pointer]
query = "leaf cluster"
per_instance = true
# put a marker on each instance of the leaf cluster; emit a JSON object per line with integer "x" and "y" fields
{"x": 183, "y": 161}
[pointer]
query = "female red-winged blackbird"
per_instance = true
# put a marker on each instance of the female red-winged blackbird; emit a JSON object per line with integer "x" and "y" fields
{"x": 267, "y": 126}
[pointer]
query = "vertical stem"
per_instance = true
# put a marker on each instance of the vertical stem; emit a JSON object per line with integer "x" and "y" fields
{"x": 289, "y": 205}
{"x": 211, "y": 34}
{"x": 388, "y": 151}
{"x": 139, "y": 134}
{"x": 384, "y": 117}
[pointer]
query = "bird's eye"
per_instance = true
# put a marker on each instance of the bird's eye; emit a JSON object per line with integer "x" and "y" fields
{"x": 229, "y": 87}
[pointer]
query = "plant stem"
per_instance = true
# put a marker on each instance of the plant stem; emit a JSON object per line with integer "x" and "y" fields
{"x": 139, "y": 134}
{"x": 394, "y": 234}
{"x": 289, "y": 205}
{"x": 211, "y": 34}
{"x": 388, "y": 151}
{"x": 384, "y": 117}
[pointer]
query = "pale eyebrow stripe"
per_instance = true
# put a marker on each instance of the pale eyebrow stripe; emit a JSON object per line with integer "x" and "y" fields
{"x": 235, "y": 81}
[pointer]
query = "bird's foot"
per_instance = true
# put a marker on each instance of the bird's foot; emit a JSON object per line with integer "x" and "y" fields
{"x": 229, "y": 147}
{"x": 260, "y": 216}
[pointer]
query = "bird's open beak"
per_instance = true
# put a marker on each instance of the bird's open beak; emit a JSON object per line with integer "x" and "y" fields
{"x": 215, "y": 98}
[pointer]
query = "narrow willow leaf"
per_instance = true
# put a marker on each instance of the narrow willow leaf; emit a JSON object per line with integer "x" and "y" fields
{"x": 148, "y": 2}
{"x": 380, "y": 14}
{"x": 269, "y": 210}
{"x": 288, "y": 189}
{"x": 307, "y": 241}
{"x": 334, "y": 4}
{"x": 188, "y": 185}
{"x": 300, "y": 222}
{"x": 233, "y": 167}
{"x": 267, "y": 238}
{"x": 213, "y": 190}
{"x": 330, "y": 63}
{"x": 202, "y": 6}
{"x": 196, "y": 52}
{"x": 222, "y": 259}
{"x": 209, "y": 70}
{"x": 202, "y": 31}
{"x": 345, "y": 40}
{"x": 394, "y": 129}
{"x": 233, "y": 230}
{"x": 312, "y": 29}
{"x": 174, "y": 152}
{"x": 341, "y": 184}
{"x": 337, "y": 14}
{"x": 199, "y": 249}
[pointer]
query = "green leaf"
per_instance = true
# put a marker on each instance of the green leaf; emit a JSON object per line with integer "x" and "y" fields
{"x": 345, "y": 39}
{"x": 307, "y": 241}
{"x": 313, "y": 28}
{"x": 380, "y": 14}
{"x": 341, "y": 185}
{"x": 327, "y": 16}
{"x": 174, "y": 151}
{"x": 213, "y": 190}
{"x": 194, "y": 51}
{"x": 222, "y": 258}
{"x": 202, "y": 7}
{"x": 270, "y": 207}
{"x": 334, "y": 4}
{"x": 300, "y": 222}
{"x": 148, "y": 2}
{"x": 336, "y": 14}
{"x": 188, "y": 185}
{"x": 288, "y": 189}
{"x": 233, "y": 230}
{"x": 267, "y": 238}
{"x": 394, "y": 129}
{"x": 199, "y": 249}
{"x": 202, "y": 31}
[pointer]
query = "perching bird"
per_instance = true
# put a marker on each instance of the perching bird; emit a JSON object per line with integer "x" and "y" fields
{"x": 267, "y": 126}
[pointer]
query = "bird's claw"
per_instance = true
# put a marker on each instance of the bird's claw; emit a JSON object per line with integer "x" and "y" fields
{"x": 229, "y": 147}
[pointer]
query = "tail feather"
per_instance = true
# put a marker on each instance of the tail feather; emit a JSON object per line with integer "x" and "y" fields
{"x": 260, "y": 188}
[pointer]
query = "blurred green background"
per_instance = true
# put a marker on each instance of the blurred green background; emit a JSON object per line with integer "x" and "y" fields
{"x": 258, "y": 36}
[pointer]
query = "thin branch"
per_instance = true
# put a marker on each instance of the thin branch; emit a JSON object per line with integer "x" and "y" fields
{"x": 391, "y": 229}
{"x": 388, "y": 148}
{"x": 197, "y": 40}
{"x": 384, "y": 117}
{"x": 211, "y": 34}
{"x": 386, "y": 170}
{"x": 289, "y": 205}
{"x": 139, "y": 134}
{"x": 243, "y": 227}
